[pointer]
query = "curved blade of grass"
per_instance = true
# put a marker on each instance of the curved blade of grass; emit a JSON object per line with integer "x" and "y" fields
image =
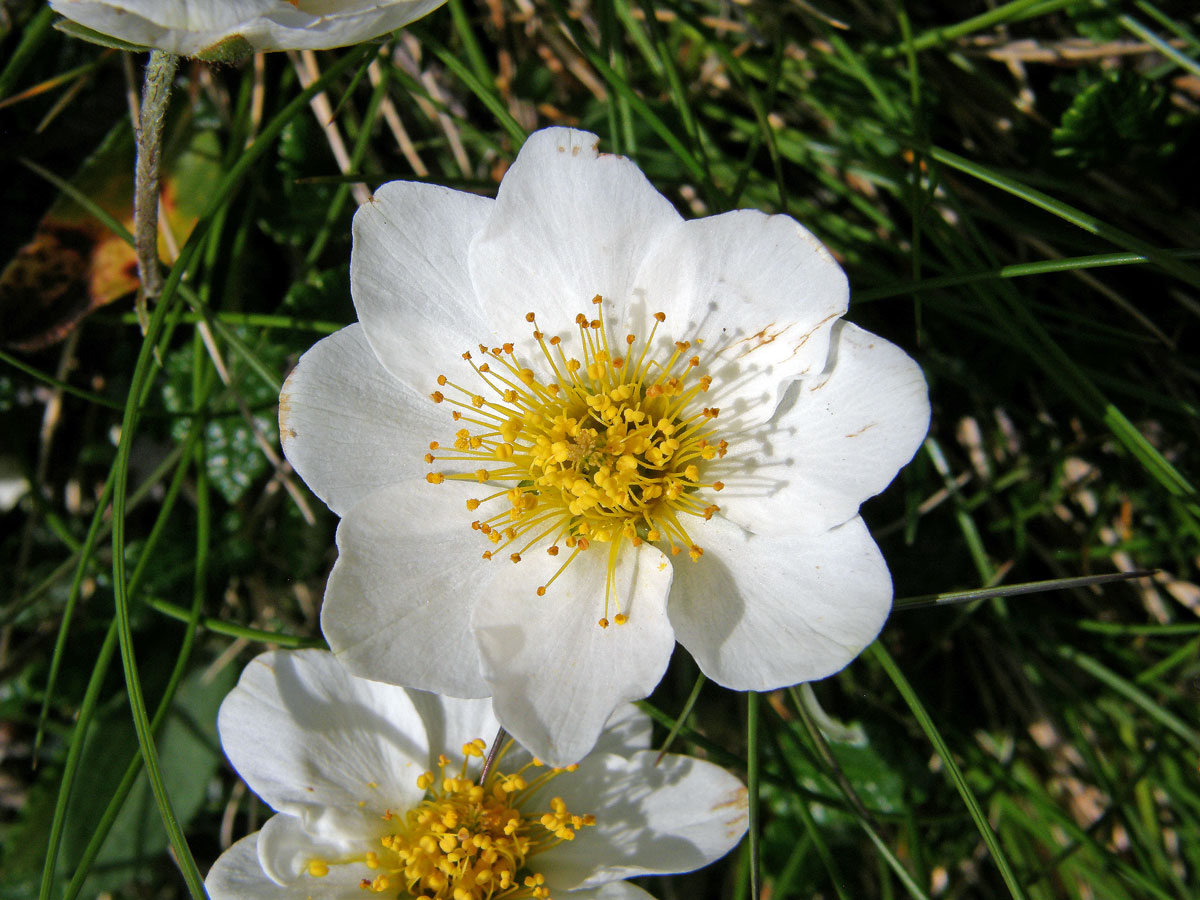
{"x": 856, "y": 807}
{"x": 84, "y": 717}
{"x": 138, "y": 389}
{"x": 132, "y": 770}
{"x": 1012, "y": 590}
{"x": 481, "y": 89}
{"x": 64, "y": 625}
{"x": 682, "y": 717}
{"x": 63, "y": 386}
{"x": 752, "y": 788}
{"x": 357, "y": 154}
{"x": 1014, "y": 11}
{"x": 1132, "y": 693}
{"x": 1013, "y": 318}
{"x": 66, "y": 782}
{"x": 962, "y": 516}
{"x": 953, "y": 772}
{"x": 1018, "y": 270}
{"x": 193, "y": 452}
{"x": 220, "y": 626}
{"x": 812, "y": 829}
{"x": 1134, "y": 27}
{"x": 140, "y": 383}
{"x": 462, "y": 27}
{"x": 32, "y": 35}
{"x": 254, "y": 320}
{"x": 1175, "y": 27}
{"x": 679, "y": 96}
{"x": 1068, "y": 213}
{"x": 16, "y": 607}
{"x": 82, "y": 561}
{"x": 83, "y": 200}
{"x": 636, "y": 103}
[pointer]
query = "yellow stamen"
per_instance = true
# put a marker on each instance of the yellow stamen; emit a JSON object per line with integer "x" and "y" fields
{"x": 608, "y": 448}
{"x": 468, "y": 840}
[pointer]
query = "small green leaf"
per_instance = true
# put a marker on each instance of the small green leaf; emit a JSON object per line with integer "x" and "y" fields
{"x": 1112, "y": 119}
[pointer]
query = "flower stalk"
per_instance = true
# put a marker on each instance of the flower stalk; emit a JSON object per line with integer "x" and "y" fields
{"x": 156, "y": 93}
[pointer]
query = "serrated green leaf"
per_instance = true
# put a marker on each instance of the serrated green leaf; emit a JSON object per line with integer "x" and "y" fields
{"x": 1111, "y": 119}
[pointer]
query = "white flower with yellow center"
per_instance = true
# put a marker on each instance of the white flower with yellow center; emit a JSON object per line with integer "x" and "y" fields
{"x": 572, "y": 428}
{"x": 377, "y": 790}
{"x": 223, "y": 29}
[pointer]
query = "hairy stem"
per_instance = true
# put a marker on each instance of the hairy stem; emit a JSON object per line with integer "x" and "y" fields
{"x": 156, "y": 91}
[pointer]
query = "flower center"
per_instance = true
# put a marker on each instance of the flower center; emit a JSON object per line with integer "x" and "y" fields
{"x": 604, "y": 449}
{"x": 466, "y": 840}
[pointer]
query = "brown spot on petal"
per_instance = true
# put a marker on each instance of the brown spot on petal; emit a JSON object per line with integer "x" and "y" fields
{"x": 739, "y": 798}
{"x": 762, "y": 337}
{"x": 855, "y": 434}
{"x": 286, "y": 431}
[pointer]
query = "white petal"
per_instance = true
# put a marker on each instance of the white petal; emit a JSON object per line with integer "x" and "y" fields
{"x": 757, "y": 296}
{"x": 397, "y": 603}
{"x": 348, "y": 426}
{"x": 190, "y": 28}
{"x": 451, "y": 722}
{"x": 763, "y": 611}
{"x": 836, "y": 440}
{"x": 408, "y": 276}
{"x": 311, "y": 740}
{"x": 323, "y": 24}
{"x": 628, "y": 729}
{"x": 556, "y": 675}
{"x": 285, "y": 849}
{"x": 184, "y": 27}
{"x": 675, "y": 816}
{"x": 613, "y": 890}
{"x": 238, "y": 875}
{"x": 569, "y": 223}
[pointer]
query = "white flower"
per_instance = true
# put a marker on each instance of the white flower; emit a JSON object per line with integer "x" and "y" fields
{"x": 377, "y": 787}
{"x": 687, "y": 464}
{"x": 223, "y": 29}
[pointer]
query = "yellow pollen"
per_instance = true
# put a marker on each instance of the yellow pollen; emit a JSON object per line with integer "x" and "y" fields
{"x": 469, "y": 840}
{"x": 597, "y": 448}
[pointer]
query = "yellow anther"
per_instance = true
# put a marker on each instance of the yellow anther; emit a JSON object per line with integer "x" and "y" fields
{"x": 587, "y": 448}
{"x": 318, "y": 868}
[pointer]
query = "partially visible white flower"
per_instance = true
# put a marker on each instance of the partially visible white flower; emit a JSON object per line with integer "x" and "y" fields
{"x": 650, "y": 429}
{"x": 13, "y": 483}
{"x": 223, "y": 29}
{"x": 376, "y": 790}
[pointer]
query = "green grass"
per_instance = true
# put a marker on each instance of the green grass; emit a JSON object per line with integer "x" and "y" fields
{"x": 1012, "y": 190}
